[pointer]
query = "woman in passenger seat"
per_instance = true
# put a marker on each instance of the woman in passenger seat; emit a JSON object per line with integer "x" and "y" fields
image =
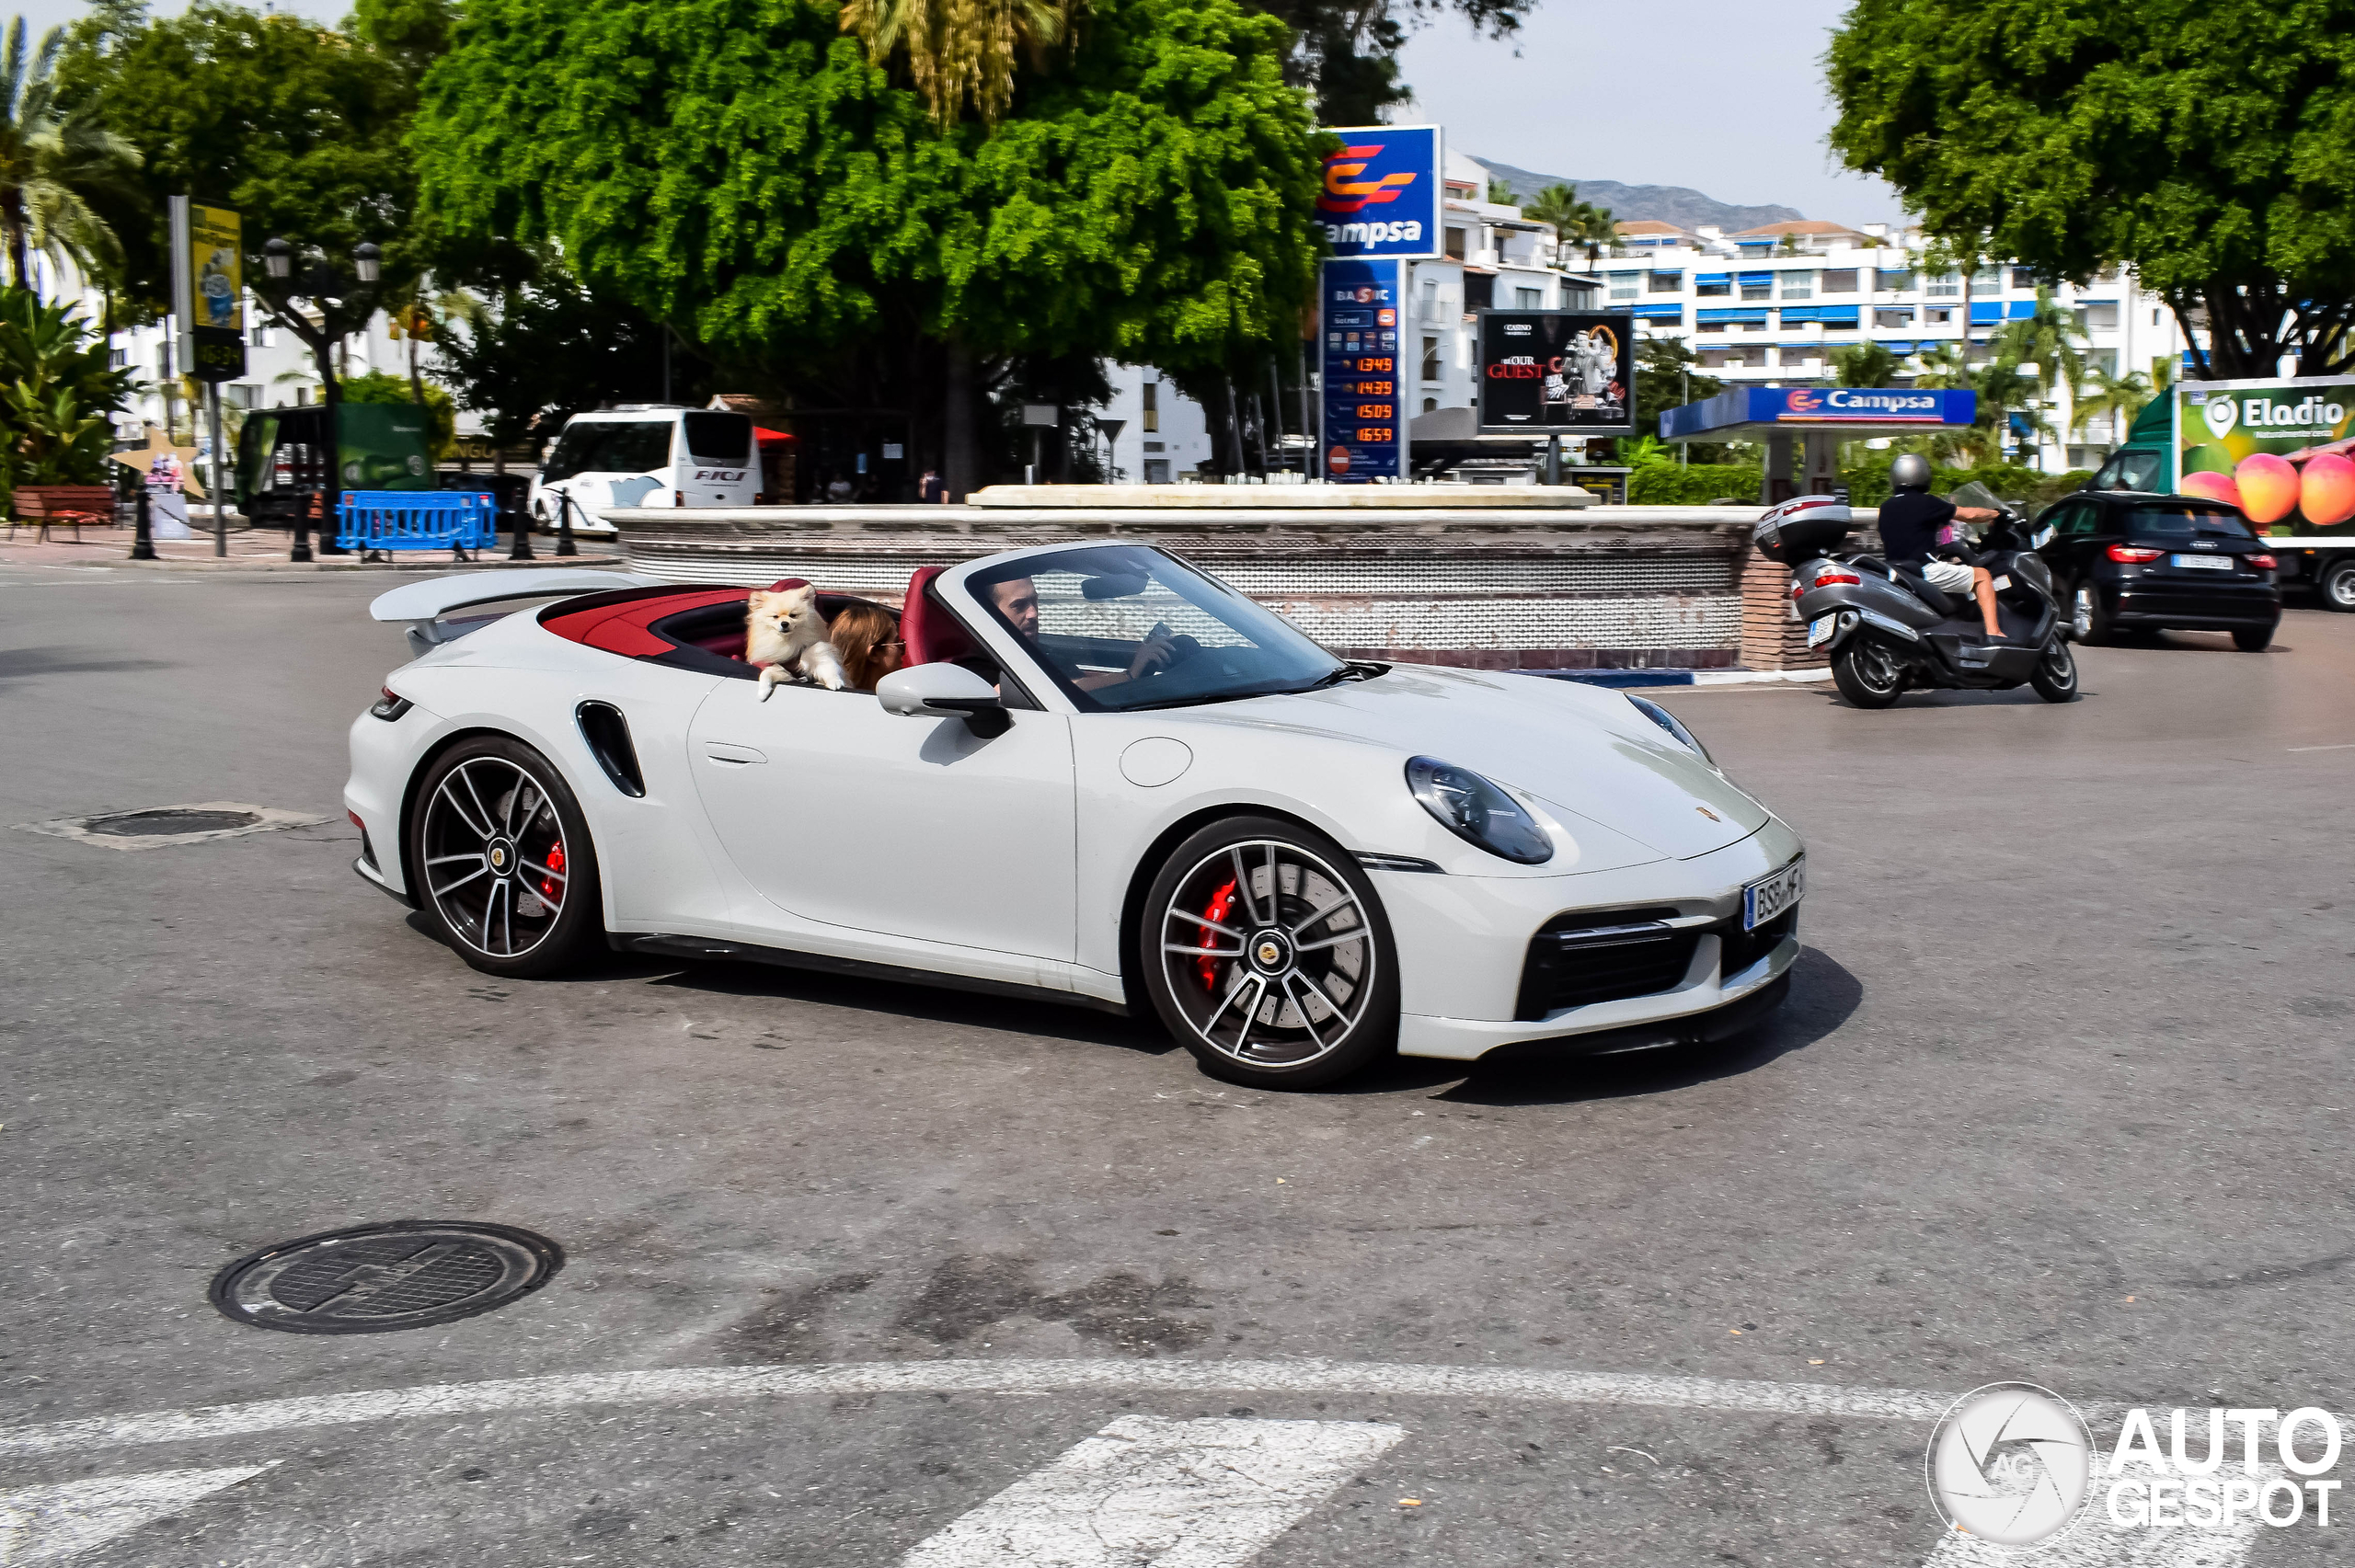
{"x": 868, "y": 639}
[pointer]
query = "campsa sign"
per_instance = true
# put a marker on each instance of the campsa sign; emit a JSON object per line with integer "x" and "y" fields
{"x": 2284, "y": 452}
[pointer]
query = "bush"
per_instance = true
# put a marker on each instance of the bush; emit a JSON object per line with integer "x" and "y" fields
{"x": 1868, "y": 482}
{"x": 1667, "y": 485}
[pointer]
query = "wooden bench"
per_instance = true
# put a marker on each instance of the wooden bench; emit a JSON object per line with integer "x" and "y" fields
{"x": 69, "y": 506}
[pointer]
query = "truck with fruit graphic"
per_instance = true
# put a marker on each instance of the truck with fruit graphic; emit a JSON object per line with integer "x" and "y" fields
{"x": 2281, "y": 450}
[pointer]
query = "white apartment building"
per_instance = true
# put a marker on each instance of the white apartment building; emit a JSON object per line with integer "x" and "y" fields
{"x": 1768, "y": 306}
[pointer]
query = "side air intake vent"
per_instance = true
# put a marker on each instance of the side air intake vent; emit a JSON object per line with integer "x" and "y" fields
{"x": 607, "y": 733}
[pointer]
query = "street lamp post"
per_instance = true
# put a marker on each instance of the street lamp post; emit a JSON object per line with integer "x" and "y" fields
{"x": 344, "y": 301}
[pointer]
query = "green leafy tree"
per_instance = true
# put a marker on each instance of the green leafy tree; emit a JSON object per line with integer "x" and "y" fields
{"x": 1667, "y": 376}
{"x": 2208, "y": 144}
{"x": 787, "y": 207}
{"x": 53, "y": 160}
{"x": 1501, "y": 193}
{"x": 299, "y": 127}
{"x": 548, "y": 350}
{"x": 1864, "y": 364}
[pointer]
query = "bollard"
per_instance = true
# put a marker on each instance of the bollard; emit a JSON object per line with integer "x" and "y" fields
{"x": 522, "y": 525}
{"x": 142, "y": 539}
{"x": 564, "y": 545}
{"x": 305, "y": 509}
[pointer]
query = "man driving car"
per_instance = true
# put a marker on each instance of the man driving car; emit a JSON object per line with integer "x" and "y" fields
{"x": 1910, "y": 521}
{"x": 1016, "y": 598}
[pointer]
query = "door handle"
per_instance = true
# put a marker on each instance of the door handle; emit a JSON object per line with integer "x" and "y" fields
{"x": 731, "y": 754}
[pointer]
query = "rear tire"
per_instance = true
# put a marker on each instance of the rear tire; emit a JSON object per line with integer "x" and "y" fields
{"x": 2055, "y": 677}
{"x": 2252, "y": 639}
{"x": 1867, "y": 674}
{"x": 1265, "y": 911}
{"x": 501, "y": 861}
{"x": 2336, "y": 585}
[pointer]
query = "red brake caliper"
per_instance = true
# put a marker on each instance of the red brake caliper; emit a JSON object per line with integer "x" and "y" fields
{"x": 1220, "y": 902}
{"x": 556, "y": 864}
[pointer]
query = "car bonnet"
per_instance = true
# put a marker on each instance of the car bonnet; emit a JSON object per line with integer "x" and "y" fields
{"x": 1580, "y": 749}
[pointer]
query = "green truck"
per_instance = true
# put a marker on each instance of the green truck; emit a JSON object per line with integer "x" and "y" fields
{"x": 281, "y": 455}
{"x": 2281, "y": 450}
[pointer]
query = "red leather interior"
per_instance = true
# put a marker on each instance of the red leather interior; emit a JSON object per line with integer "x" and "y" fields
{"x": 931, "y": 633}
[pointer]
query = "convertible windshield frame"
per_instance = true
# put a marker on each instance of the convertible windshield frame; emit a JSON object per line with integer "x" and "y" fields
{"x": 1287, "y": 660}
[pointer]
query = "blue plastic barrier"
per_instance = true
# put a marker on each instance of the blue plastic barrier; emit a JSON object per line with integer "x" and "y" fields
{"x": 379, "y": 520}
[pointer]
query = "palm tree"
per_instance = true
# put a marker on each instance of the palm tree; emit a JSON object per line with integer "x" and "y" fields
{"x": 2117, "y": 397}
{"x": 50, "y": 160}
{"x": 2048, "y": 339}
{"x": 1575, "y": 222}
{"x": 959, "y": 50}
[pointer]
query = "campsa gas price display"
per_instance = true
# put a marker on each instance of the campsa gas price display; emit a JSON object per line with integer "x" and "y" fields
{"x": 1365, "y": 419}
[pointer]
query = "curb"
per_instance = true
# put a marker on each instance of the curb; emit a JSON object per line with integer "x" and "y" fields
{"x": 1632, "y": 677}
{"x": 278, "y": 564}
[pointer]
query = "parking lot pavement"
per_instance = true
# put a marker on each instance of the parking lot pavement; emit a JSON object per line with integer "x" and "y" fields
{"x": 2061, "y": 1095}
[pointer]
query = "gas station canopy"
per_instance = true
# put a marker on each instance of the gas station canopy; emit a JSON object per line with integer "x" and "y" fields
{"x": 1750, "y": 413}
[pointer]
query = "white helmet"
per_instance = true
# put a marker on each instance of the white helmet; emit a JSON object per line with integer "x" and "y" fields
{"x": 1909, "y": 471}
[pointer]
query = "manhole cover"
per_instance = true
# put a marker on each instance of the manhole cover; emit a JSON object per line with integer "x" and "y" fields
{"x": 410, "y": 1273}
{"x": 173, "y": 820}
{"x": 162, "y": 826}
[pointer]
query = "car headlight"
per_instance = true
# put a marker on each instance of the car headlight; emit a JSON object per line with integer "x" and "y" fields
{"x": 1476, "y": 811}
{"x": 1674, "y": 726}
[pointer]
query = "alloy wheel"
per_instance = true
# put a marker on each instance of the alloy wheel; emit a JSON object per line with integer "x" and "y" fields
{"x": 494, "y": 859}
{"x": 1269, "y": 954}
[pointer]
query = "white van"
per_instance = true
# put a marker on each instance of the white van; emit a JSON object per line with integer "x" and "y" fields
{"x": 646, "y": 455}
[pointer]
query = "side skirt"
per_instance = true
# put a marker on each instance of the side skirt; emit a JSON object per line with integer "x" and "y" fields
{"x": 662, "y": 946}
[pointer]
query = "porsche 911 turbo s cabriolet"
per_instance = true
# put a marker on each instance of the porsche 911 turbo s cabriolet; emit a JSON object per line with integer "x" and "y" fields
{"x": 1101, "y": 776}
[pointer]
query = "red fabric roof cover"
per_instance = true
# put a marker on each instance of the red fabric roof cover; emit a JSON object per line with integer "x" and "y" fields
{"x": 621, "y": 628}
{"x": 762, "y": 433}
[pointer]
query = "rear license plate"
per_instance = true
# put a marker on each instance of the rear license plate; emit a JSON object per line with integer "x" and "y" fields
{"x": 1770, "y": 895}
{"x": 2205, "y": 563}
{"x": 1819, "y": 629}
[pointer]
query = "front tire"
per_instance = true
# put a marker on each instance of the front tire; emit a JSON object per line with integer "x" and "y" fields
{"x": 1268, "y": 955}
{"x": 1867, "y": 673}
{"x": 504, "y": 868}
{"x": 2055, "y": 677}
{"x": 2252, "y": 639}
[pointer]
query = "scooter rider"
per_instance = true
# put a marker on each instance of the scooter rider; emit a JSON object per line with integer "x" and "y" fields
{"x": 1910, "y": 521}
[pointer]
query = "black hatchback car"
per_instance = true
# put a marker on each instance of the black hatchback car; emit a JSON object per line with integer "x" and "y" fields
{"x": 2126, "y": 561}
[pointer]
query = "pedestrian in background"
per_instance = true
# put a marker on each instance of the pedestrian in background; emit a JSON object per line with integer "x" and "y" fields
{"x": 930, "y": 490}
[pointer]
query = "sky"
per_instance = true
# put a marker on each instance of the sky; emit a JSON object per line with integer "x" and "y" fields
{"x": 1724, "y": 95}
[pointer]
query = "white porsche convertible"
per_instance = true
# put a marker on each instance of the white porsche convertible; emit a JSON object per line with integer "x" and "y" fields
{"x": 1101, "y": 777}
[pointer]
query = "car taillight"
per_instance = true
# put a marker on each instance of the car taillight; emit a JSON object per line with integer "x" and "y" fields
{"x": 2263, "y": 563}
{"x": 2133, "y": 555}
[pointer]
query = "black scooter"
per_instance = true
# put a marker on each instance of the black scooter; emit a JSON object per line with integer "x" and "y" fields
{"x": 1889, "y": 630}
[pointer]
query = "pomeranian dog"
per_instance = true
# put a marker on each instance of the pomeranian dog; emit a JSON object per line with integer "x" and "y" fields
{"x": 786, "y": 636}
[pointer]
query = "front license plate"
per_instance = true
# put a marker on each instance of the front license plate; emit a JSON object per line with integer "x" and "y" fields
{"x": 2205, "y": 563}
{"x": 1819, "y": 629}
{"x": 1770, "y": 895}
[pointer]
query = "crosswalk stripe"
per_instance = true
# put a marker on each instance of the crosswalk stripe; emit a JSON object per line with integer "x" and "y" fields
{"x": 1149, "y": 1492}
{"x": 51, "y": 1524}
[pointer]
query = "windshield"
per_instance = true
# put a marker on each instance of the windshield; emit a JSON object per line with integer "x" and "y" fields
{"x": 722, "y": 439}
{"x": 1129, "y": 627}
{"x": 2130, "y": 471}
{"x": 609, "y": 446}
{"x": 2184, "y": 522}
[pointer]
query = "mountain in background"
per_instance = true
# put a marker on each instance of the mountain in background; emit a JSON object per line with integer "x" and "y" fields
{"x": 1665, "y": 203}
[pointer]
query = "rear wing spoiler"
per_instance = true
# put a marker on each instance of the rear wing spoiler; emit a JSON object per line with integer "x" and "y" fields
{"x": 423, "y": 605}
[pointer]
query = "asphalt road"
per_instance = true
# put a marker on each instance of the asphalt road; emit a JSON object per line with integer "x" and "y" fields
{"x": 2061, "y": 1095}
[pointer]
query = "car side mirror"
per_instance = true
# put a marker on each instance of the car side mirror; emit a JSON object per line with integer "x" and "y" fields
{"x": 944, "y": 690}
